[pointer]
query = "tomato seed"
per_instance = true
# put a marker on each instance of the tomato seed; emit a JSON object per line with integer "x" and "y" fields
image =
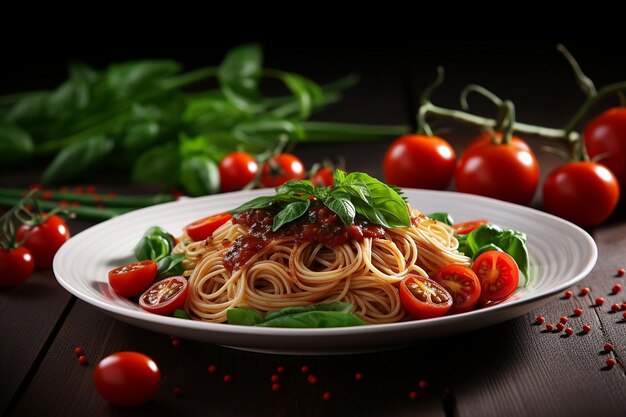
{"x": 312, "y": 379}
{"x": 568, "y": 294}
{"x": 422, "y": 384}
{"x": 78, "y": 351}
{"x": 560, "y": 326}
{"x": 620, "y": 272}
{"x": 82, "y": 359}
{"x": 569, "y": 331}
{"x": 578, "y": 311}
{"x": 586, "y": 328}
{"x": 610, "y": 362}
{"x": 413, "y": 395}
{"x": 275, "y": 378}
{"x": 539, "y": 320}
{"x": 228, "y": 378}
{"x": 608, "y": 347}
{"x": 563, "y": 320}
{"x": 584, "y": 291}
{"x": 327, "y": 396}
{"x": 178, "y": 391}
{"x": 549, "y": 327}
{"x": 212, "y": 369}
{"x": 615, "y": 307}
{"x": 358, "y": 376}
{"x": 616, "y": 288}
{"x": 304, "y": 369}
{"x": 276, "y": 387}
{"x": 280, "y": 369}
{"x": 599, "y": 301}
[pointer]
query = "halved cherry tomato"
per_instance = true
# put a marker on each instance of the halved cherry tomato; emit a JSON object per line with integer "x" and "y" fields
{"x": 127, "y": 378}
{"x": 462, "y": 284}
{"x": 133, "y": 279}
{"x": 203, "y": 228}
{"x": 423, "y": 298}
{"x": 466, "y": 227}
{"x": 165, "y": 296}
{"x": 323, "y": 177}
{"x": 498, "y": 275}
{"x": 281, "y": 168}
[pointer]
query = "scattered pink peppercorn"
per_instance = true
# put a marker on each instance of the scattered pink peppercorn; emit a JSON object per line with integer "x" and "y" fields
{"x": 560, "y": 326}
{"x": 304, "y": 369}
{"x": 616, "y": 288}
{"x": 620, "y": 272}
{"x": 276, "y": 387}
{"x": 586, "y": 328}
{"x": 624, "y": 315}
{"x": 599, "y": 301}
{"x": 584, "y": 291}
{"x": 228, "y": 378}
{"x": 358, "y": 376}
{"x": 549, "y": 327}
{"x": 79, "y": 351}
{"x": 275, "y": 378}
{"x": 607, "y": 347}
{"x": 615, "y": 308}
{"x": 569, "y": 331}
{"x": 280, "y": 369}
{"x": 422, "y": 384}
{"x": 212, "y": 368}
{"x": 610, "y": 362}
{"x": 175, "y": 342}
{"x": 568, "y": 294}
{"x": 312, "y": 379}
{"x": 327, "y": 396}
{"x": 539, "y": 320}
{"x": 82, "y": 359}
{"x": 413, "y": 395}
{"x": 578, "y": 311}
{"x": 563, "y": 320}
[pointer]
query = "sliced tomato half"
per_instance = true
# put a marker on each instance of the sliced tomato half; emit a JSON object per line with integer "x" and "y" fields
{"x": 423, "y": 298}
{"x": 165, "y": 296}
{"x": 462, "y": 284}
{"x": 203, "y": 228}
{"x": 133, "y": 279}
{"x": 498, "y": 275}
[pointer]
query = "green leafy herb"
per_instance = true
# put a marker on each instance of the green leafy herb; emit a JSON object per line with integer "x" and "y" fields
{"x": 335, "y": 314}
{"x": 291, "y": 212}
{"x": 77, "y": 159}
{"x": 200, "y": 176}
{"x": 15, "y": 144}
{"x": 181, "y": 314}
{"x": 171, "y": 265}
{"x": 244, "y": 316}
{"x": 442, "y": 217}
{"x": 155, "y": 244}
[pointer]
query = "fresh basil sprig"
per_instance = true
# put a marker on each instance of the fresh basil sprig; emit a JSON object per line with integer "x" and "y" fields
{"x": 352, "y": 194}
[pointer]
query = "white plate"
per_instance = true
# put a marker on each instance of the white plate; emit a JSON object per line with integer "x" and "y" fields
{"x": 561, "y": 254}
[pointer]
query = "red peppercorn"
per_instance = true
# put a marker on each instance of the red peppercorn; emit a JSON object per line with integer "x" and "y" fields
{"x": 358, "y": 376}
{"x": 82, "y": 359}
{"x": 539, "y": 320}
{"x": 175, "y": 342}
{"x": 599, "y": 301}
{"x": 569, "y": 331}
{"x": 549, "y": 327}
{"x": 578, "y": 311}
{"x": 413, "y": 395}
{"x": 304, "y": 369}
{"x": 78, "y": 351}
{"x": 212, "y": 368}
{"x": 327, "y": 396}
{"x": 563, "y": 320}
{"x": 178, "y": 391}
{"x": 312, "y": 379}
{"x": 586, "y": 328}
{"x": 620, "y": 272}
{"x": 568, "y": 294}
{"x": 610, "y": 362}
{"x": 584, "y": 291}
{"x": 91, "y": 189}
{"x": 560, "y": 326}
{"x": 280, "y": 369}
{"x": 623, "y": 306}
{"x": 608, "y": 347}
{"x": 624, "y": 315}
{"x": 228, "y": 378}
{"x": 276, "y": 387}
{"x": 616, "y": 288}
{"x": 422, "y": 384}
{"x": 615, "y": 307}
{"x": 275, "y": 378}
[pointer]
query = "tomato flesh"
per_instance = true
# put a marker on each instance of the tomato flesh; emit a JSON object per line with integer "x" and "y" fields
{"x": 462, "y": 284}
{"x": 203, "y": 228}
{"x": 16, "y": 265}
{"x": 133, "y": 279}
{"x": 165, "y": 296}
{"x": 423, "y": 298}
{"x": 127, "y": 378}
{"x": 498, "y": 275}
{"x": 467, "y": 227}
{"x": 45, "y": 239}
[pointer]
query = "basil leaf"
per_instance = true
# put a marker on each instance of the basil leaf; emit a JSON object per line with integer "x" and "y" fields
{"x": 291, "y": 212}
{"x": 484, "y": 249}
{"x": 306, "y": 92}
{"x": 442, "y": 217}
{"x": 159, "y": 164}
{"x": 152, "y": 247}
{"x": 264, "y": 131}
{"x": 158, "y": 231}
{"x": 512, "y": 243}
{"x": 463, "y": 247}
{"x": 337, "y": 306}
{"x": 481, "y": 236}
{"x": 171, "y": 266}
{"x": 339, "y": 177}
{"x": 314, "y": 319}
{"x": 15, "y": 143}
{"x": 30, "y": 110}
{"x": 243, "y": 316}
{"x": 341, "y": 205}
{"x": 77, "y": 159}
{"x": 259, "y": 202}
{"x": 239, "y": 76}
{"x": 132, "y": 77}
{"x": 181, "y": 314}
{"x": 200, "y": 176}
{"x": 297, "y": 187}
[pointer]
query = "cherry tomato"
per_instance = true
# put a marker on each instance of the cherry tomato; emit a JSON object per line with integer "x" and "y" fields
{"x": 237, "y": 169}
{"x": 498, "y": 275}
{"x": 45, "y": 239}
{"x": 165, "y": 296}
{"x": 419, "y": 161}
{"x": 466, "y": 227}
{"x": 423, "y": 298}
{"x": 585, "y": 193}
{"x": 133, "y": 279}
{"x": 203, "y": 228}
{"x": 280, "y": 169}
{"x": 323, "y": 177}
{"x": 16, "y": 265}
{"x": 462, "y": 284}
{"x": 127, "y": 378}
{"x": 508, "y": 172}
{"x": 605, "y": 138}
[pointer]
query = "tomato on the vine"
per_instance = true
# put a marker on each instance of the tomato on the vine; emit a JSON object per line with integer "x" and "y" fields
{"x": 281, "y": 168}
{"x": 423, "y": 298}
{"x": 133, "y": 279}
{"x": 508, "y": 172}
{"x": 16, "y": 265}
{"x": 237, "y": 169}
{"x": 498, "y": 275}
{"x": 165, "y": 296}
{"x": 127, "y": 378}
{"x": 462, "y": 284}
{"x": 585, "y": 193}
{"x": 605, "y": 138}
{"x": 323, "y": 177}
{"x": 419, "y": 161}
{"x": 44, "y": 239}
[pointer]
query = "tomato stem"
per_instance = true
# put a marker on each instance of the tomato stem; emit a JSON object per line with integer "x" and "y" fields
{"x": 423, "y": 128}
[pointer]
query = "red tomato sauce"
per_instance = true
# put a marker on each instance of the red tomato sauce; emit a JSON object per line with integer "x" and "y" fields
{"x": 319, "y": 224}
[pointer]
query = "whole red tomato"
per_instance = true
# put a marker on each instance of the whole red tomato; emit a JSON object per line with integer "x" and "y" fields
{"x": 585, "y": 193}
{"x": 508, "y": 172}
{"x": 281, "y": 168}
{"x": 419, "y": 161}
{"x": 605, "y": 137}
{"x": 16, "y": 265}
{"x": 44, "y": 239}
{"x": 237, "y": 169}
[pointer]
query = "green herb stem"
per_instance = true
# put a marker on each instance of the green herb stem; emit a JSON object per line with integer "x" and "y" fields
{"x": 328, "y": 131}
{"x": 121, "y": 201}
{"x": 84, "y": 212}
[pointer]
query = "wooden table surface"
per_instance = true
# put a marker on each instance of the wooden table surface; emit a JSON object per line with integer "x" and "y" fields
{"x": 513, "y": 369}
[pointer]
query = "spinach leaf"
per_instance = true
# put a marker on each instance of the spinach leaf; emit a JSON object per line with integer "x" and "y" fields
{"x": 442, "y": 217}
{"x": 239, "y": 76}
{"x": 171, "y": 265}
{"x": 291, "y": 212}
{"x": 200, "y": 176}
{"x": 15, "y": 143}
{"x": 314, "y": 319}
{"x": 77, "y": 159}
{"x": 158, "y": 164}
{"x": 244, "y": 316}
{"x": 152, "y": 247}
